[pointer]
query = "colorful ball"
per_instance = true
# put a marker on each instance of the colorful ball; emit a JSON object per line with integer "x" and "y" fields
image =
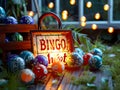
{"x": 41, "y": 59}
{"x": 77, "y": 59}
{"x": 80, "y": 51}
{"x": 27, "y": 76}
{"x": 15, "y": 64}
{"x": 58, "y": 67}
{"x": 2, "y": 15}
{"x": 95, "y": 62}
{"x": 97, "y": 51}
{"x": 86, "y": 58}
{"x": 17, "y": 37}
{"x": 11, "y": 20}
{"x": 27, "y": 56}
{"x": 26, "y": 20}
{"x": 40, "y": 72}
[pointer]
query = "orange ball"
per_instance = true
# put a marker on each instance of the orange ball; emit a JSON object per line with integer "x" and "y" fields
{"x": 58, "y": 67}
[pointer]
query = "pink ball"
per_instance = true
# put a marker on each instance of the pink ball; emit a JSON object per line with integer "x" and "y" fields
{"x": 86, "y": 58}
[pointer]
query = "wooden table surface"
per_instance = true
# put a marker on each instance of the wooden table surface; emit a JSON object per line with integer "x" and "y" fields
{"x": 65, "y": 81}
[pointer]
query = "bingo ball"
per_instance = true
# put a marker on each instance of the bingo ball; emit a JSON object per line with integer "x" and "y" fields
{"x": 27, "y": 76}
{"x": 77, "y": 59}
{"x": 17, "y": 37}
{"x": 80, "y": 51}
{"x": 27, "y": 56}
{"x": 2, "y": 15}
{"x": 10, "y": 20}
{"x": 97, "y": 51}
{"x": 41, "y": 59}
{"x": 40, "y": 71}
{"x": 10, "y": 56}
{"x": 15, "y": 64}
{"x": 86, "y": 58}
{"x": 26, "y": 20}
{"x": 95, "y": 62}
{"x": 58, "y": 67}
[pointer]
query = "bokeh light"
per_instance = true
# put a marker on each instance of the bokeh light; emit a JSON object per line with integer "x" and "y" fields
{"x": 94, "y": 26}
{"x": 83, "y": 24}
{"x": 83, "y": 19}
{"x": 30, "y": 13}
{"x": 72, "y": 2}
{"x": 106, "y": 7}
{"x": 89, "y": 4}
{"x": 110, "y": 29}
{"x": 97, "y": 16}
{"x": 64, "y": 15}
{"x": 51, "y": 5}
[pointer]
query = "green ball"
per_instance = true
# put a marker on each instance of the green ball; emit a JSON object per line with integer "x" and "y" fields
{"x": 17, "y": 37}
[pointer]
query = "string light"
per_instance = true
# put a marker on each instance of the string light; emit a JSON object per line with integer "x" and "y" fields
{"x": 106, "y": 7}
{"x": 30, "y": 13}
{"x": 94, "y": 26}
{"x": 110, "y": 29}
{"x": 83, "y": 19}
{"x": 64, "y": 14}
{"x": 89, "y": 4}
{"x": 97, "y": 16}
{"x": 51, "y": 5}
{"x": 83, "y": 24}
{"x": 72, "y": 2}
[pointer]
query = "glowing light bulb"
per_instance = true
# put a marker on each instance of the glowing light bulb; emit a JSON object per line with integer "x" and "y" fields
{"x": 94, "y": 26}
{"x": 65, "y": 12}
{"x": 97, "y": 16}
{"x": 72, "y": 2}
{"x": 83, "y": 24}
{"x": 106, "y": 7}
{"x": 30, "y": 13}
{"x": 110, "y": 29}
{"x": 89, "y": 4}
{"x": 83, "y": 19}
{"x": 51, "y": 5}
{"x": 64, "y": 17}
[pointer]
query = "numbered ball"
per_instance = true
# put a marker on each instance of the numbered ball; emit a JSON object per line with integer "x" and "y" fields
{"x": 27, "y": 76}
{"x": 27, "y": 56}
{"x": 97, "y": 51}
{"x": 16, "y": 63}
{"x": 95, "y": 62}
{"x": 17, "y": 37}
{"x": 26, "y": 20}
{"x": 80, "y": 51}
{"x": 40, "y": 72}
{"x": 58, "y": 67}
{"x": 41, "y": 59}
{"x": 77, "y": 59}
{"x": 11, "y": 20}
{"x": 86, "y": 58}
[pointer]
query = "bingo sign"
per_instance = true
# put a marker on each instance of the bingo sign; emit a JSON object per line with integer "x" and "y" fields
{"x": 54, "y": 44}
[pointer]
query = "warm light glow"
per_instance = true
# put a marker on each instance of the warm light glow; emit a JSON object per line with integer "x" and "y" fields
{"x": 64, "y": 14}
{"x": 83, "y": 19}
{"x": 110, "y": 29}
{"x": 83, "y": 24}
{"x": 51, "y": 5}
{"x": 94, "y": 26}
{"x": 89, "y": 4}
{"x": 72, "y": 2}
{"x": 30, "y": 13}
{"x": 106, "y": 7}
{"x": 97, "y": 16}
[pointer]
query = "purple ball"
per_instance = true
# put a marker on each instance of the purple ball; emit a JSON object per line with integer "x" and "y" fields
{"x": 11, "y": 20}
{"x": 41, "y": 59}
{"x": 26, "y": 20}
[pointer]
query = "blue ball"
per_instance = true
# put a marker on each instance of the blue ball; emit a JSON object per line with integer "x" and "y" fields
{"x": 27, "y": 56}
{"x": 79, "y": 51}
{"x": 11, "y": 20}
{"x": 97, "y": 51}
{"x": 2, "y": 15}
{"x": 16, "y": 64}
{"x": 95, "y": 62}
{"x": 26, "y": 20}
{"x": 41, "y": 59}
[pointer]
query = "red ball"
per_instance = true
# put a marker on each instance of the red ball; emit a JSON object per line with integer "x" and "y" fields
{"x": 40, "y": 72}
{"x": 86, "y": 58}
